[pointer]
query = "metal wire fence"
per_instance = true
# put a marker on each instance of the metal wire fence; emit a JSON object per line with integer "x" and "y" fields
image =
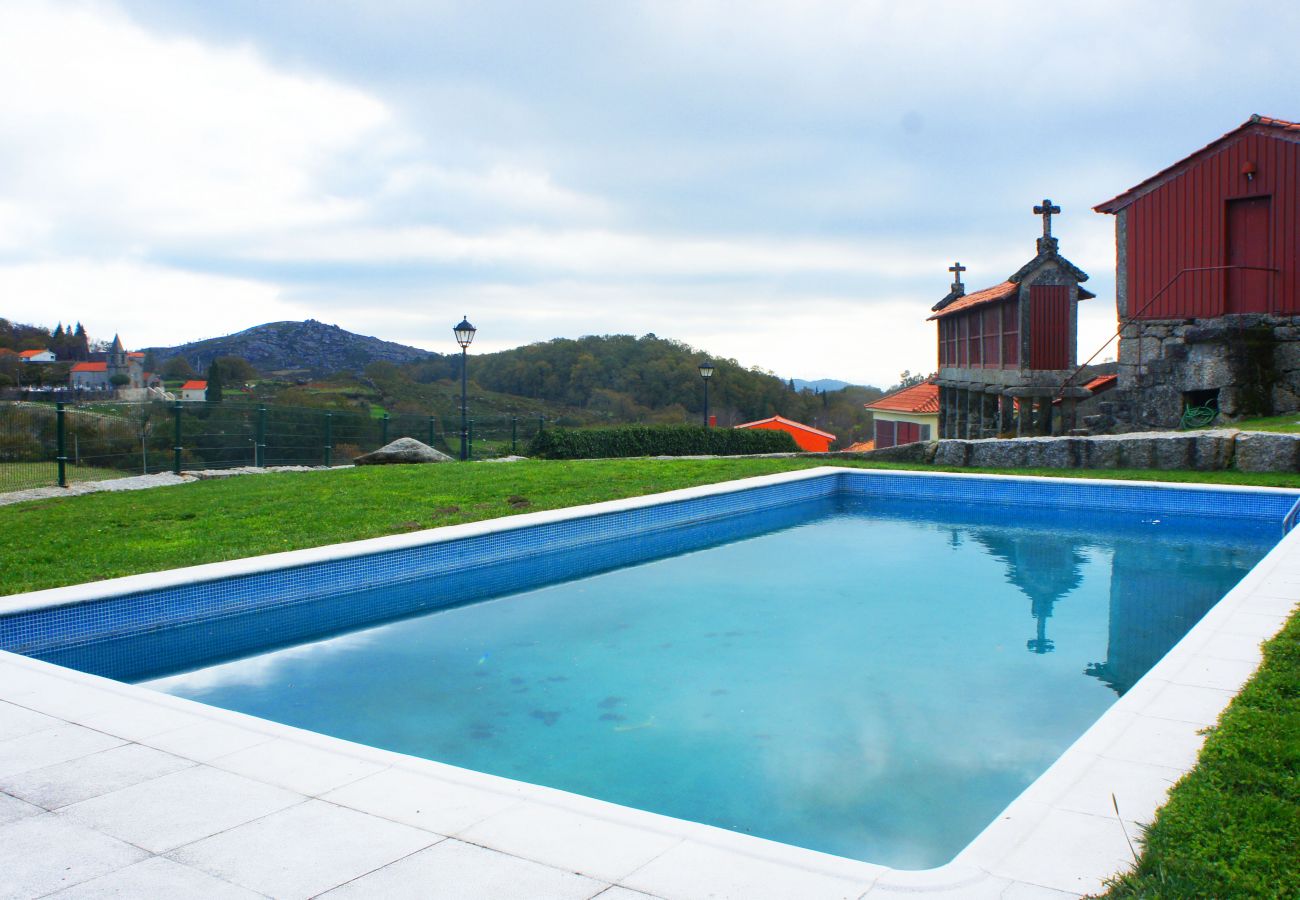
{"x": 47, "y": 444}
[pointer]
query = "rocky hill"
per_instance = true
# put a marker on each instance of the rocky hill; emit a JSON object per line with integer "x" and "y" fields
{"x": 295, "y": 348}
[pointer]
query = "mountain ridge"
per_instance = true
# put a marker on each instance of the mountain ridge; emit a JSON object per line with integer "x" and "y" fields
{"x": 307, "y": 347}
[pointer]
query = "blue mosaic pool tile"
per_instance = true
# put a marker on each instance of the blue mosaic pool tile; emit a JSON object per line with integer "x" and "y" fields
{"x": 393, "y": 583}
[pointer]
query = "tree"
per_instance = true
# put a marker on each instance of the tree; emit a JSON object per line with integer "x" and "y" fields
{"x": 214, "y": 383}
{"x": 236, "y": 369}
{"x": 120, "y": 380}
{"x": 178, "y": 368}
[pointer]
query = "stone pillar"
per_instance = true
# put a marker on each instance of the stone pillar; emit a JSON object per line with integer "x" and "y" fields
{"x": 962, "y": 412}
{"x": 1006, "y": 413}
{"x": 1023, "y": 416}
{"x": 943, "y": 412}
{"x": 972, "y": 414}
{"x": 1045, "y": 415}
{"x": 989, "y": 424}
{"x": 1068, "y": 418}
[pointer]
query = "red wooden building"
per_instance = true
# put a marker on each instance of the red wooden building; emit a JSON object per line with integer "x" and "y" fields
{"x": 1208, "y": 278}
{"x": 907, "y": 415}
{"x": 805, "y": 436}
{"x": 1007, "y": 351}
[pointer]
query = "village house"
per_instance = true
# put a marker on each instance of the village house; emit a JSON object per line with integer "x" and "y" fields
{"x": 1008, "y": 351}
{"x": 907, "y": 415}
{"x": 37, "y": 356}
{"x": 194, "y": 391}
{"x": 97, "y": 375}
{"x": 807, "y": 437}
{"x": 1207, "y": 282}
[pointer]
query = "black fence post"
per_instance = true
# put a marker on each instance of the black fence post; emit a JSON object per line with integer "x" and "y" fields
{"x": 329, "y": 439}
{"x": 469, "y": 439}
{"x": 259, "y": 443}
{"x": 432, "y": 430}
{"x": 176, "y": 438}
{"x": 62, "y": 458}
{"x": 514, "y": 434}
{"x": 383, "y": 431}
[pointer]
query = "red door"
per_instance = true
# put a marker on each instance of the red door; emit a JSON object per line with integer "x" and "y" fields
{"x": 1049, "y": 323}
{"x": 1246, "y": 290}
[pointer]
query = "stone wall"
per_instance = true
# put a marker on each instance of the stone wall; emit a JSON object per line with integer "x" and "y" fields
{"x": 1210, "y": 450}
{"x": 1249, "y": 363}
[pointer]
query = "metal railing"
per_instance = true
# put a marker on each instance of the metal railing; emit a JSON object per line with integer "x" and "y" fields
{"x": 1145, "y": 306}
{"x": 46, "y": 444}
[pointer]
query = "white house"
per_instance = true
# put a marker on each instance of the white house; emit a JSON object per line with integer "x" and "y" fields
{"x": 194, "y": 391}
{"x": 37, "y": 356}
{"x": 907, "y": 415}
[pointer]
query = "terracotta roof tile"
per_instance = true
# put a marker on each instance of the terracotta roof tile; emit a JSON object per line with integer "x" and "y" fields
{"x": 920, "y": 399}
{"x": 194, "y": 386}
{"x": 782, "y": 420}
{"x": 979, "y": 298}
{"x": 1102, "y": 383}
{"x": 90, "y": 367}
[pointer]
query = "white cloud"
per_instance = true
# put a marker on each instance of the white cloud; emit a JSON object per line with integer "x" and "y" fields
{"x": 147, "y": 305}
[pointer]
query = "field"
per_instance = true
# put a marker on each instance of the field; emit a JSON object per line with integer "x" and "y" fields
{"x": 1231, "y": 827}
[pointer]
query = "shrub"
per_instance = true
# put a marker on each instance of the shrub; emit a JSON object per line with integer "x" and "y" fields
{"x": 671, "y": 440}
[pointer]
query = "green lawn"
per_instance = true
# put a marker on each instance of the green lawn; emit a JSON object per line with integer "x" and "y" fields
{"x": 1231, "y": 829}
{"x": 1288, "y": 423}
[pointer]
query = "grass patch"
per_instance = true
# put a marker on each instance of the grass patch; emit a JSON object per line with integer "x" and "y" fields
{"x": 1289, "y": 423}
{"x": 19, "y": 476}
{"x": 1231, "y": 827}
{"x": 73, "y": 540}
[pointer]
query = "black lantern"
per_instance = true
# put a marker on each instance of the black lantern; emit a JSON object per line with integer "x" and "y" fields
{"x": 464, "y": 336}
{"x": 706, "y": 372}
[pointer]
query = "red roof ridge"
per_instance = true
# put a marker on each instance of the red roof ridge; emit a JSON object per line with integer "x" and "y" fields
{"x": 194, "y": 386}
{"x": 784, "y": 421}
{"x": 1254, "y": 123}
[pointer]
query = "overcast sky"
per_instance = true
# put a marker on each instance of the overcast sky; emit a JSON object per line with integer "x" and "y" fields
{"x": 784, "y": 183}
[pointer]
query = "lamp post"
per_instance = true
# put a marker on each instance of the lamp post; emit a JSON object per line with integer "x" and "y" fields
{"x": 464, "y": 335}
{"x": 706, "y": 372}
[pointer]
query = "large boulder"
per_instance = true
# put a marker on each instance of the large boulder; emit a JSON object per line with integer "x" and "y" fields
{"x": 402, "y": 450}
{"x": 1262, "y": 451}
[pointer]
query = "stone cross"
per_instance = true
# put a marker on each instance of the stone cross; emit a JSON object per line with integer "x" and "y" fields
{"x": 956, "y": 269}
{"x": 1047, "y": 210}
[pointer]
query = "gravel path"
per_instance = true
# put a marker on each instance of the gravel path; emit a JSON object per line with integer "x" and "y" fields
{"x": 141, "y": 482}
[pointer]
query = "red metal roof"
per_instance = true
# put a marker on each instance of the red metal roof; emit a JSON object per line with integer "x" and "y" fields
{"x": 194, "y": 386}
{"x": 90, "y": 367}
{"x": 782, "y": 420}
{"x": 979, "y": 298}
{"x": 919, "y": 399}
{"x": 1257, "y": 123}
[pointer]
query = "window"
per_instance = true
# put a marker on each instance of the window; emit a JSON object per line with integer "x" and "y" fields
{"x": 884, "y": 434}
{"x": 925, "y": 433}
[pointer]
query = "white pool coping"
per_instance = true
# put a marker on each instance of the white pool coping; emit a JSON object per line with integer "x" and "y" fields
{"x": 117, "y": 787}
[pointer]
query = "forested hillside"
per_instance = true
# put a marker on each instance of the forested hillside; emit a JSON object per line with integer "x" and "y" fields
{"x": 622, "y": 378}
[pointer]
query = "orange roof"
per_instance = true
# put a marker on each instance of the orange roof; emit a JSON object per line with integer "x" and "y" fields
{"x": 919, "y": 399}
{"x": 135, "y": 355}
{"x": 28, "y": 354}
{"x": 782, "y": 420}
{"x": 90, "y": 367}
{"x": 860, "y": 447}
{"x": 979, "y": 298}
{"x": 194, "y": 386}
{"x": 1257, "y": 124}
{"x": 1102, "y": 383}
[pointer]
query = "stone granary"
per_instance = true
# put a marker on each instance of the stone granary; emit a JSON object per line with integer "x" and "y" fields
{"x": 1207, "y": 282}
{"x": 1006, "y": 352}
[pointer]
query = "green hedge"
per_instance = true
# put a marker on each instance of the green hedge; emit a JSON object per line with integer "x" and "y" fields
{"x": 669, "y": 440}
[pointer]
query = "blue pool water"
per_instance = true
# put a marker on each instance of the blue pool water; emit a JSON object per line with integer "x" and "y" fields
{"x": 871, "y": 678}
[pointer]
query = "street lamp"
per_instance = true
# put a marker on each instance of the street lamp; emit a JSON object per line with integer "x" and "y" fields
{"x": 706, "y": 372}
{"x": 464, "y": 335}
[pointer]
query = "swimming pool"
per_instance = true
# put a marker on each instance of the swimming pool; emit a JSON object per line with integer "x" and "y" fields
{"x": 1058, "y": 590}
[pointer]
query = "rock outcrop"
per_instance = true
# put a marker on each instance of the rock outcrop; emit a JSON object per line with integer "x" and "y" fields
{"x": 402, "y": 450}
